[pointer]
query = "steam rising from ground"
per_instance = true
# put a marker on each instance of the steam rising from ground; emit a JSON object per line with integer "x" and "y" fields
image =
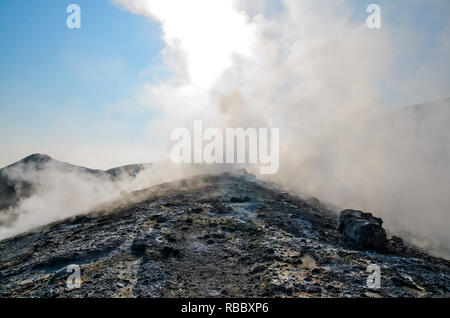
{"x": 313, "y": 71}
{"x": 60, "y": 191}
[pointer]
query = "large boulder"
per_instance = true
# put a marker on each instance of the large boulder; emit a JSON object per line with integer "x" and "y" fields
{"x": 362, "y": 230}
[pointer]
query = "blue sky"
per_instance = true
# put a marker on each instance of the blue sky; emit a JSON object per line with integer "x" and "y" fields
{"x": 59, "y": 80}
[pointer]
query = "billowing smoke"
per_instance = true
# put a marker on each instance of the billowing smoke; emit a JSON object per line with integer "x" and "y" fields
{"x": 51, "y": 190}
{"x": 314, "y": 70}
{"x": 317, "y": 72}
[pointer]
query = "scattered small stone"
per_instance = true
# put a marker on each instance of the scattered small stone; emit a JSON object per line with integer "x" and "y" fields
{"x": 171, "y": 239}
{"x": 167, "y": 252}
{"x": 139, "y": 245}
{"x": 219, "y": 235}
{"x": 196, "y": 210}
{"x": 223, "y": 209}
{"x": 169, "y": 205}
{"x": 161, "y": 219}
{"x": 239, "y": 199}
{"x": 313, "y": 289}
{"x": 258, "y": 269}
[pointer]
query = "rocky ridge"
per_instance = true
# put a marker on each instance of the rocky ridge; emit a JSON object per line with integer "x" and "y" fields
{"x": 211, "y": 236}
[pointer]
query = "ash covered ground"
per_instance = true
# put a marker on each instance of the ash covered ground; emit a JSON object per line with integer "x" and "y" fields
{"x": 229, "y": 235}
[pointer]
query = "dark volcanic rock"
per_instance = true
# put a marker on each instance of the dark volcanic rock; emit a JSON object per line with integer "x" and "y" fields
{"x": 186, "y": 239}
{"x": 362, "y": 230}
{"x": 239, "y": 199}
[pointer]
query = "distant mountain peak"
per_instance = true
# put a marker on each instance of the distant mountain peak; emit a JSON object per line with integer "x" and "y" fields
{"x": 16, "y": 182}
{"x": 38, "y": 158}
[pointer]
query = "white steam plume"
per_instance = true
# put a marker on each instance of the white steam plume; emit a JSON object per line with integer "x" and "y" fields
{"x": 313, "y": 71}
{"x": 59, "y": 191}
